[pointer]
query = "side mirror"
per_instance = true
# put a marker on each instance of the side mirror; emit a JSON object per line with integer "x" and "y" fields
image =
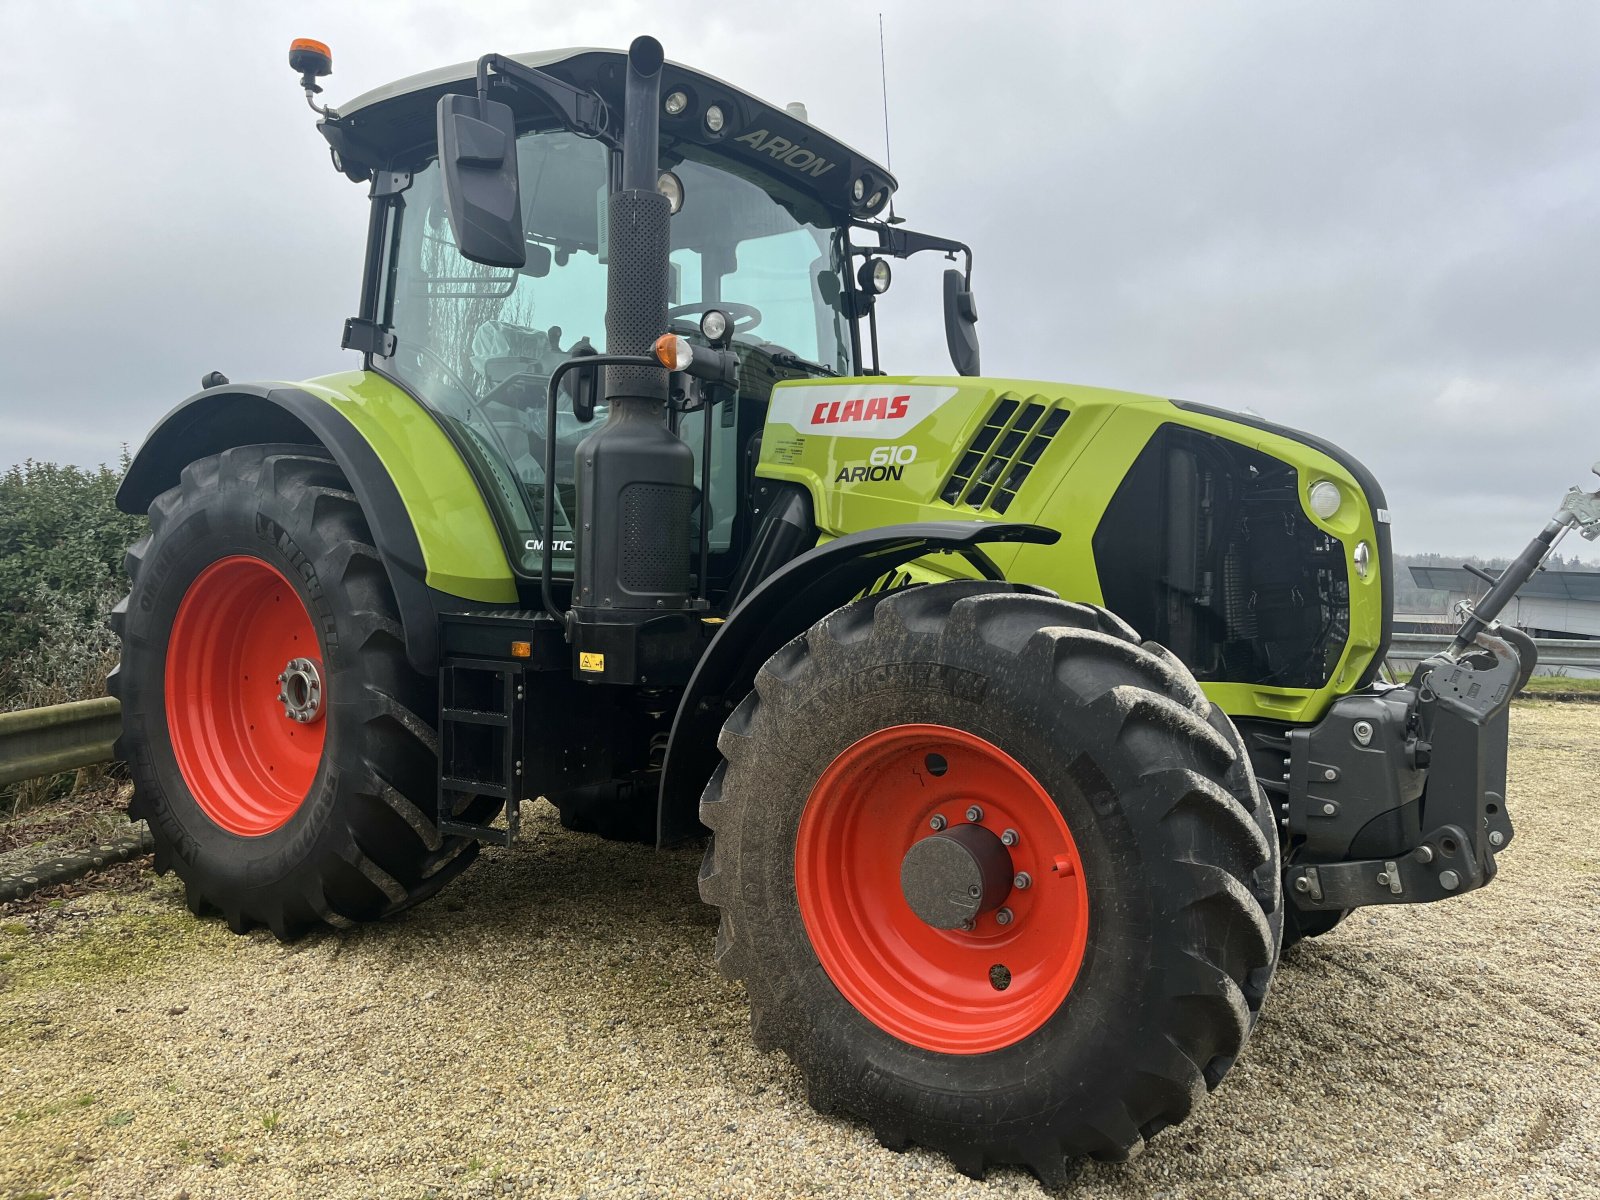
{"x": 539, "y": 258}
{"x": 583, "y": 383}
{"x": 482, "y": 197}
{"x": 960, "y": 323}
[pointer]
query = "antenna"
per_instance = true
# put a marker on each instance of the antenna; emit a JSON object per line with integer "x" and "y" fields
{"x": 888, "y": 154}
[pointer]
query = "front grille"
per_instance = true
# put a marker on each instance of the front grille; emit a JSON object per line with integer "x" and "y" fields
{"x": 998, "y": 460}
{"x": 1205, "y": 548}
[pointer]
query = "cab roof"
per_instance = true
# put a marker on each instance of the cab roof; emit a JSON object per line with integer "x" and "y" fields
{"x": 393, "y": 126}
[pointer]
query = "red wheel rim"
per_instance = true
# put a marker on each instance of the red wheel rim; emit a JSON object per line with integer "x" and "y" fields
{"x": 246, "y": 762}
{"x": 950, "y": 990}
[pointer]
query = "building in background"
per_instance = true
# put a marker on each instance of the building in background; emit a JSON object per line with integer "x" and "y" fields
{"x": 1553, "y": 604}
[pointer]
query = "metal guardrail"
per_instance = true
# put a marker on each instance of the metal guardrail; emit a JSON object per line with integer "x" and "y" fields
{"x": 35, "y": 742}
{"x": 1553, "y": 652}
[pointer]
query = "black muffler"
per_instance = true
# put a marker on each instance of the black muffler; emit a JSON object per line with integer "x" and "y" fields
{"x": 635, "y": 476}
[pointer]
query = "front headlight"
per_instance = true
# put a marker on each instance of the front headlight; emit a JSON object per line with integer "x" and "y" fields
{"x": 1324, "y": 498}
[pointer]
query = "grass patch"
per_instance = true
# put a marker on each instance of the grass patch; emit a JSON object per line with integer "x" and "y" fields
{"x": 103, "y": 951}
{"x": 1544, "y": 684}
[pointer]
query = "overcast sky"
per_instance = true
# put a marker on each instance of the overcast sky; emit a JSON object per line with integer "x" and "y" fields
{"x": 1376, "y": 221}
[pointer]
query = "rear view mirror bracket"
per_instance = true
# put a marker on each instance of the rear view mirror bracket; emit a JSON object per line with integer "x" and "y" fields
{"x": 581, "y": 111}
{"x": 960, "y": 307}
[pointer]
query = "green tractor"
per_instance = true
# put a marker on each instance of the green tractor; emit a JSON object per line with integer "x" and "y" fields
{"x": 624, "y": 510}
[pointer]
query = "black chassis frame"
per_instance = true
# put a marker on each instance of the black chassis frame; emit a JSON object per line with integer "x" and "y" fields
{"x": 657, "y": 745}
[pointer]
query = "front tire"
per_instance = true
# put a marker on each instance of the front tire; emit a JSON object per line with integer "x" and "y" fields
{"x": 281, "y": 746}
{"x": 1127, "y": 974}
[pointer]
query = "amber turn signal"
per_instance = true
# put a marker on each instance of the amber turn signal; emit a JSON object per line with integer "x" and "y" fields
{"x": 674, "y": 352}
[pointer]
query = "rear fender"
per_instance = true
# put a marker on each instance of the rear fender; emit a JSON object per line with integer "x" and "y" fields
{"x": 782, "y": 606}
{"x": 428, "y": 519}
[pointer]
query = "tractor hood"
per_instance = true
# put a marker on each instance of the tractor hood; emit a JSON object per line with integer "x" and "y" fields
{"x": 392, "y": 127}
{"x": 891, "y": 450}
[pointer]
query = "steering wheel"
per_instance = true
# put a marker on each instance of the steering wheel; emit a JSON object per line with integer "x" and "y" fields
{"x": 745, "y": 317}
{"x": 523, "y": 390}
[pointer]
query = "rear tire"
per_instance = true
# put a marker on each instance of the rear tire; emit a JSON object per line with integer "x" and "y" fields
{"x": 260, "y": 530}
{"x": 1177, "y": 847}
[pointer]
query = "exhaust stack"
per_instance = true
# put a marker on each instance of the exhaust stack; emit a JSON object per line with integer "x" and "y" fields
{"x": 635, "y": 476}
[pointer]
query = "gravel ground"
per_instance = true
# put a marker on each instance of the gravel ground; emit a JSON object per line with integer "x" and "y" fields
{"x": 553, "y": 1025}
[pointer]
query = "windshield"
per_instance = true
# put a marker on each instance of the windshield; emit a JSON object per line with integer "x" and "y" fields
{"x": 477, "y": 344}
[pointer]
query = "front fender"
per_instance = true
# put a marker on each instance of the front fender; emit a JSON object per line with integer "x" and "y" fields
{"x": 783, "y": 605}
{"x": 428, "y": 519}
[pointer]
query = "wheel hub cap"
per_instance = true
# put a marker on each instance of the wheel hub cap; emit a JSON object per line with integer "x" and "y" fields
{"x": 300, "y": 691}
{"x": 952, "y": 878}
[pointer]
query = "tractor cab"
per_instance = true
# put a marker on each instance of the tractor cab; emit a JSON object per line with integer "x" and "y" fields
{"x": 762, "y": 209}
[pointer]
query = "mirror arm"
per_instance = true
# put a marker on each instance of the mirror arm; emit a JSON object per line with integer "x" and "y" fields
{"x": 581, "y": 111}
{"x": 896, "y": 242}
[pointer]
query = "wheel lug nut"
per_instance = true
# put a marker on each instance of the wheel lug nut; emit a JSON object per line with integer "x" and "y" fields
{"x": 968, "y": 925}
{"x": 937, "y": 823}
{"x": 1002, "y": 916}
{"x": 974, "y": 813}
{"x": 974, "y": 891}
{"x": 1023, "y": 880}
{"x": 1009, "y": 838}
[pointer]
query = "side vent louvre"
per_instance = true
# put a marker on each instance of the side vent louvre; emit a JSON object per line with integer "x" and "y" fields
{"x": 1001, "y": 454}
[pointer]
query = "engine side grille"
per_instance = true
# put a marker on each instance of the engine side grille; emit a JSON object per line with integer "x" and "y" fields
{"x": 655, "y": 528}
{"x": 995, "y": 464}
